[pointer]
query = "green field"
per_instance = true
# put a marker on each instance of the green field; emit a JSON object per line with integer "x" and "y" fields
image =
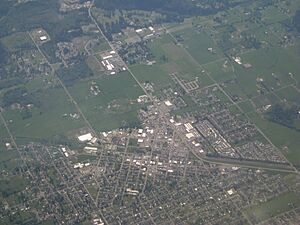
{"x": 102, "y": 45}
{"x": 220, "y": 70}
{"x": 177, "y": 59}
{"x": 286, "y": 139}
{"x": 246, "y": 106}
{"x": 273, "y": 207}
{"x": 153, "y": 74}
{"x": 290, "y": 94}
{"x": 3, "y": 135}
{"x": 198, "y": 43}
{"x": 11, "y": 186}
{"x": 116, "y": 104}
{"x": 48, "y": 118}
{"x": 9, "y": 160}
{"x": 273, "y": 15}
{"x": 17, "y": 41}
{"x": 272, "y": 65}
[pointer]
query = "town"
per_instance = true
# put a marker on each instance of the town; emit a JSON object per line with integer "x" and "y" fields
{"x": 118, "y": 112}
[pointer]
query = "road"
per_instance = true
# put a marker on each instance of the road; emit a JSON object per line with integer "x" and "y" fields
{"x": 113, "y": 49}
{"x": 215, "y": 83}
{"x": 230, "y": 99}
{"x": 80, "y": 112}
{"x": 64, "y": 88}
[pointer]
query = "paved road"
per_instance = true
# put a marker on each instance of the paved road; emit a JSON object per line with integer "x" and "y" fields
{"x": 230, "y": 99}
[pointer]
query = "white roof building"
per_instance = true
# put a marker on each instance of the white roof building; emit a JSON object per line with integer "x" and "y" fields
{"x": 43, "y": 38}
{"x": 190, "y": 135}
{"x": 168, "y": 103}
{"x": 85, "y": 137}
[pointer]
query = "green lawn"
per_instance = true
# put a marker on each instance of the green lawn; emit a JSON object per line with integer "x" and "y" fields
{"x": 275, "y": 206}
{"x": 47, "y": 119}
{"x": 197, "y": 44}
{"x": 220, "y": 70}
{"x": 273, "y": 65}
{"x": 3, "y": 135}
{"x": 272, "y": 15}
{"x": 12, "y": 185}
{"x": 115, "y": 105}
{"x": 284, "y": 138}
{"x": 289, "y": 94}
{"x": 153, "y": 74}
{"x": 17, "y": 41}
{"x": 177, "y": 59}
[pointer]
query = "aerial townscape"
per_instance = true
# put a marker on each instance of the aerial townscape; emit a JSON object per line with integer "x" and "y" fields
{"x": 149, "y": 112}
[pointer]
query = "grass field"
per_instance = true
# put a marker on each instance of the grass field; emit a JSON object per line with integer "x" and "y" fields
{"x": 9, "y": 160}
{"x": 3, "y": 135}
{"x": 100, "y": 46}
{"x": 286, "y": 139}
{"x": 273, "y": 15}
{"x": 246, "y": 106}
{"x": 272, "y": 65}
{"x": 198, "y": 43}
{"x": 275, "y": 206}
{"x": 289, "y": 94}
{"x": 220, "y": 70}
{"x": 153, "y": 74}
{"x": 94, "y": 64}
{"x": 115, "y": 105}
{"x": 13, "y": 185}
{"x": 47, "y": 119}
{"x": 178, "y": 61}
{"x": 16, "y": 41}
{"x": 266, "y": 99}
